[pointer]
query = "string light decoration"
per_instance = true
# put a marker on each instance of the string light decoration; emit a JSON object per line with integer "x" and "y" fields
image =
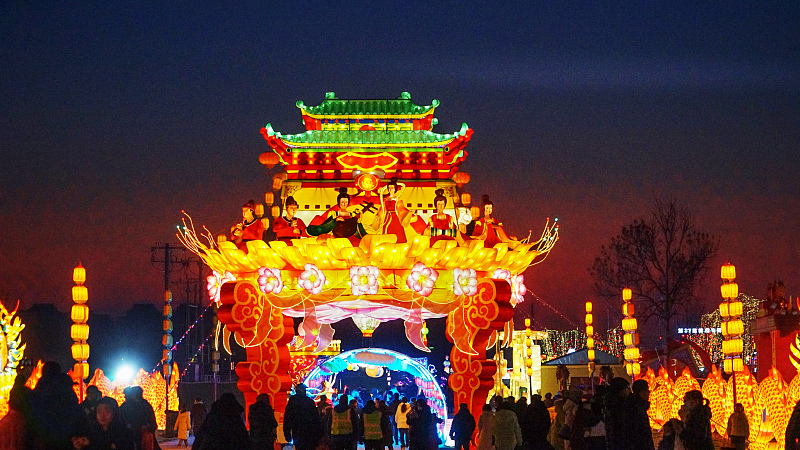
{"x": 631, "y": 338}
{"x": 732, "y": 327}
{"x": 590, "y": 337}
{"x": 79, "y": 331}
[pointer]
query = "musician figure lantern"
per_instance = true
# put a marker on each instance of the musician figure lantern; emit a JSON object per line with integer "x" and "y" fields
{"x": 372, "y": 181}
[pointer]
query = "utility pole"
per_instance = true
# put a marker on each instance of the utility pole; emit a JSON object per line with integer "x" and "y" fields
{"x": 166, "y": 261}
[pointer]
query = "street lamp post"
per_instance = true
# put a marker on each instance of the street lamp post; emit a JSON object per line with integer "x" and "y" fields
{"x": 732, "y": 328}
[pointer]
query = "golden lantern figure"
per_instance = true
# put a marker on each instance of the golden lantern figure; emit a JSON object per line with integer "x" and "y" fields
{"x": 631, "y": 338}
{"x": 732, "y": 327}
{"x": 79, "y": 331}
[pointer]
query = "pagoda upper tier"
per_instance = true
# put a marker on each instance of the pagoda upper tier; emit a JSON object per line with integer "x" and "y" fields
{"x": 345, "y": 136}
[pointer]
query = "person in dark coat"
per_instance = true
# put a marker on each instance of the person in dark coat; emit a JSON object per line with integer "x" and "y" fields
{"x": 263, "y": 426}
{"x": 55, "y": 415}
{"x": 386, "y": 425}
{"x": 138, "y": 416}
{"x": 301, "y": 422}
{"x": 696, "y": 417}
{"x": 420, "y": 421}
{"x": 93, "y": 396}
{"x": 618, "y": 415}
{"x": 463, "y": 427}
{"x": 223, "y": 428}
{"x": 105, "y": 430}
{"x": 536, "y": 425}
{"x": 198, "y": 414}
{"x": 640, "y": 425}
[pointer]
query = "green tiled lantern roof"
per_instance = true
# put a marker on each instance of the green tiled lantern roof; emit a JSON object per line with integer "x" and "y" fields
{"x": 367, "y": 137}
{"x": 401, "y": 106}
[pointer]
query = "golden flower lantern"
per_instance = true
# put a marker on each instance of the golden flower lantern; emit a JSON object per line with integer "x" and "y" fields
{"x": 631, "y": 338}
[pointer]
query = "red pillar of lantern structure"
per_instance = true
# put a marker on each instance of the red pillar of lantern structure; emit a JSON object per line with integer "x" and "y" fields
{"x": 79, "y": 331}
{"x": 732, "y": 328}
{"x": 631, "y": 338}
{"x": 529, "y": 355}
{"x": 590, "y": 338}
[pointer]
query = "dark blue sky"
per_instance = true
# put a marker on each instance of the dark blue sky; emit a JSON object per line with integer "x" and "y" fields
{"x": 115, "y": 116}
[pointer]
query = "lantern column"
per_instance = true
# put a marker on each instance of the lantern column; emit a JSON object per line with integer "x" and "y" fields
{"x": 590, "y": 341}
{"x": 166, "y": 357}
{"x": 79, "y": 331}
{"x": 529, "y": 356}
{"x": 732, "y": 328}
{"x": 631, "y": 338}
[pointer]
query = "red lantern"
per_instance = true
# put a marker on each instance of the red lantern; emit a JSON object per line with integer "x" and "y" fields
{"x": 269, "y": 159}
{"x": 461, "y": 178}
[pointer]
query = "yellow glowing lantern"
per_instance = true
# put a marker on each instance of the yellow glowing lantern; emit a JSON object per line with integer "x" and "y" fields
{"x": 628, "y": 309}
{"x": 79, "y": 332}
{"x": 79, "y": 274}
{"x": 629, "y": 324}
{"x": 630, "y": 339}
{"x": 527, "y": 323}
{"x": 732, "y": 346}
{"x": 475, "y": 212}
{"x": 530, "y": 372}
{"x": 588, "y": 307}
{"x": 590, "y": 330}
{"x": 590, "y": 354}
{"x": 589, "y": 319}
{"x": 728, "y": 271}
{"x": 167, "y": 326}
{"x": 729, "y": 290}
{"x": 529, "y": 362}
{"x": 627, "y": 294}
{"x": 79, "y": 313}
{"x": 528, "y": 332}
{"x": 277, "y": 180}
{"x": 590, "y": 342}
{"x": 736, "y": 309}
{"x": 632, "y": 353}
{"x": 269, "y": 198}
{"x": 276, "y": 211}
{"x": 81, "y": 368}
{"x": 529, "y": 352}
{"x": 80, "y": 294}
{"x": 80, "y": 351}
{"x": 259, "y": 210}
{"x": 723, "y": 310}
{"x": 367, "y": 182}
{"x": 466, "y": 199}
{"x": 461, "y": 178}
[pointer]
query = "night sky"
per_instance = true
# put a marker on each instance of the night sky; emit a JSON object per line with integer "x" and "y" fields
{"x": 115, "y": 116}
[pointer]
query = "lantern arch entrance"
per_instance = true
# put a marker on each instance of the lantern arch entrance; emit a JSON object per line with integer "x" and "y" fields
{"x": 377, "y": 360}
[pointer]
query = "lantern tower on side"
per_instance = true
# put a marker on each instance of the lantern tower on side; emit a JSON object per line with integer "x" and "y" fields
{"x": 631, "y": 338}
{"x": 79, "y": 331}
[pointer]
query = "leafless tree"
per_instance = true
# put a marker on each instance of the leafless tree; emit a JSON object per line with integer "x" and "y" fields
{"x": 662, "y": 257}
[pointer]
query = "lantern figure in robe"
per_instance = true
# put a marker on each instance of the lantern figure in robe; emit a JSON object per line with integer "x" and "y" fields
{"x": 79, "y": 331}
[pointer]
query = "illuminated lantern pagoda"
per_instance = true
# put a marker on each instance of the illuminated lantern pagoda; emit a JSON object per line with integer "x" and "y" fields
{"x": 367, "y": 177}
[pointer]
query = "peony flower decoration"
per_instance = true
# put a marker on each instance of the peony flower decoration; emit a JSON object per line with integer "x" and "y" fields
{"x": 364, "y": 280}
{"x": 312, "y": 279}
{"x": 422, "y": 279}
{"x": 215, "y": 282}
{"x": 502, "y": 274}
{"x": 269, "y": 280}
{"x": 465, "y": 282}
{"x": 518, "y": 289}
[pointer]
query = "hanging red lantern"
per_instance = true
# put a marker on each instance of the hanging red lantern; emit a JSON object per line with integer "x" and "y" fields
{"x": 461, "y": 178}
{"x": 269, "y": 159}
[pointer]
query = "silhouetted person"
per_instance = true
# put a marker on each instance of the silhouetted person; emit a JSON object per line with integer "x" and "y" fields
{"x": 198, "y": 413}
{"x": 463, "y": 427}
{"x": 640, "y": 424}
{"x": 138, "y": 416}
{"x": 55, "y": 414}
{"x": 536, "y": 425}
{"x": 223, "y": 428}
{"x": 696, "y": 417}
{"x": 619, "y": 416}
{"x": 301, "y": 422}
{"x": 93, "y": 395}
{"x": 13, "y": 428}
{"x": 263, "y": 426}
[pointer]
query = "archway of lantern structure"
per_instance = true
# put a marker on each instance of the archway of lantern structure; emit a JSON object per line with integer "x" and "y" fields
{"x": 379, "y": 358}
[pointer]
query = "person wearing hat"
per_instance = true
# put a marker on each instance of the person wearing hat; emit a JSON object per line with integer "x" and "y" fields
{"x": 252, "y": 228}
{"x": 288, "y": 227}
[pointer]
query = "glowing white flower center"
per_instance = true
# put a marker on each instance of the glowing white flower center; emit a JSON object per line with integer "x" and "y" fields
{"x": 364, "y": 279}
{"x": 421, "y": 278}
{"x": 312, "y": 278}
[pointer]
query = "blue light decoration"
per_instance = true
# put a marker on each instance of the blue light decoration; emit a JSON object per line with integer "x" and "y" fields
{"x": 367, "y": 358}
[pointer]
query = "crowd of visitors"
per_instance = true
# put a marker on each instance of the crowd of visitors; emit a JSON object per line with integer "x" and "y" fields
{"x": 612, "y": 417}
